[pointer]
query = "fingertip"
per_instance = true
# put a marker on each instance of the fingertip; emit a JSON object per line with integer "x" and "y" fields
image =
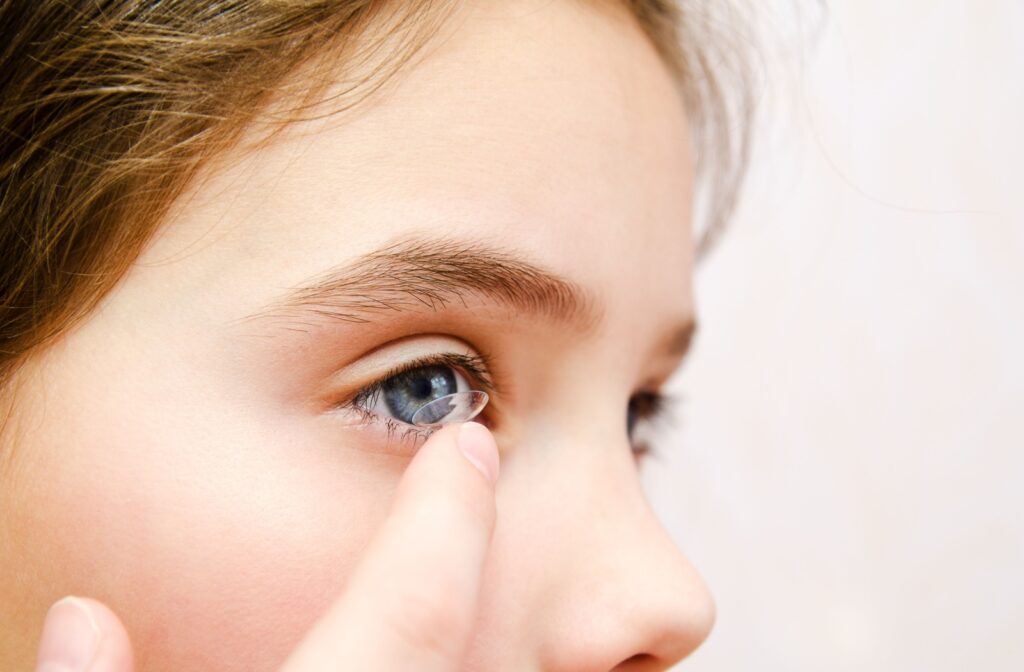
{"x": 115, "y": 654}
{"x": 71, "y": 637}
{"x": 478, "y": 446}
{"x": 83, "y": 635}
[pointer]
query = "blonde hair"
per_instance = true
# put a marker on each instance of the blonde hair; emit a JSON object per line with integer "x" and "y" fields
{"x": 108, "y": 108}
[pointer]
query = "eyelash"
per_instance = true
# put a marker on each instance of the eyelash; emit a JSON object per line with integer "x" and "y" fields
{"x": 658, "y": 408}
{"x": 475, "y": 367}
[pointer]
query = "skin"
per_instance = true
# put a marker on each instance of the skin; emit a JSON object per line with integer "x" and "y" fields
{"x": 176, "y": 462}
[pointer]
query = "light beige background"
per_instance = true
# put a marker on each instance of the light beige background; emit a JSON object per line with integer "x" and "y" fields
{"x": 848, "y": 468}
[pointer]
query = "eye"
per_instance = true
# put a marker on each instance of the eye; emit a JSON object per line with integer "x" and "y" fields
{"x": 400, "y": 396}
{"x": 425, "y": 393}
{"x": 643, "y": 409}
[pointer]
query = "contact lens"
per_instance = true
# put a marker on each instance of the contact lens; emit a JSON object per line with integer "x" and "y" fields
{"x": 458, "y": 407}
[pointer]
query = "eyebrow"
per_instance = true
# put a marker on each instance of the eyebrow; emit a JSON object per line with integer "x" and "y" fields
{"x": 430, "y": 274}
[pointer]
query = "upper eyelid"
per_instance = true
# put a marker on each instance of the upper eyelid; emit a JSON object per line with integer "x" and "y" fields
{"x": 387, "y": 355}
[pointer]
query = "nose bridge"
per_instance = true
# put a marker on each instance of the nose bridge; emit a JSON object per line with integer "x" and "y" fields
{"x": 622, "y": 590}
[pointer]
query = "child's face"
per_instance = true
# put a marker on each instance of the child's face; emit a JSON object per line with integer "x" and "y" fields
{"x": 182, "y": 461}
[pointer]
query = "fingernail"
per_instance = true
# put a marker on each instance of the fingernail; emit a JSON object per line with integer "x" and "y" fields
{"x": 70, "y": 637}
{"x": 477, "y": 444}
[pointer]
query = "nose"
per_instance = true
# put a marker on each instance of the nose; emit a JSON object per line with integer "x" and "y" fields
{"x": 617, "y": 594}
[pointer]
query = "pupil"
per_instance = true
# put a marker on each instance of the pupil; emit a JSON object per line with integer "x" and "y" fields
{"x": 423, "y": 387}
{"x": 407, "y": 392}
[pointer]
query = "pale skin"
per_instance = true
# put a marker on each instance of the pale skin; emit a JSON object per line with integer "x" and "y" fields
{"x": 182, "y": 464}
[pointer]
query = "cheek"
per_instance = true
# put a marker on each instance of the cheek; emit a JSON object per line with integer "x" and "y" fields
{"x": 217, "y": 542}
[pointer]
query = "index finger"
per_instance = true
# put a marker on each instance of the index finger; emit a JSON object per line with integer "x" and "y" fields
{"x": 411, "y": 601}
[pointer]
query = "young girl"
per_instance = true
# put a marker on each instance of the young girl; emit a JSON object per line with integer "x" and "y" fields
{"x": 246, "y": 241}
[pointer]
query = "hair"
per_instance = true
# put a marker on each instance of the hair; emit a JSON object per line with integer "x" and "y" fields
{"x": 108, "y": 108}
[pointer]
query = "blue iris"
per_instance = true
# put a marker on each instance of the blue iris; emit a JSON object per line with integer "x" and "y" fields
{"x": 407, "y": 392}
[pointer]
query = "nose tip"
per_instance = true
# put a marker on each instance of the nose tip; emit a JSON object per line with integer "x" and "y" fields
{"x": 674, "y": 631}
{"x": 672, "y": 617}
{"x": 630, "y": 599}
{"x": 630, "y": 624}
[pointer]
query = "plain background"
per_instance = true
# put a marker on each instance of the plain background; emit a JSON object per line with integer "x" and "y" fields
{"x": 847, "y": 465}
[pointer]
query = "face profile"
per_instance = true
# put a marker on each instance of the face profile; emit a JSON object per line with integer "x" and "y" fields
{"x": 503, "y": 235}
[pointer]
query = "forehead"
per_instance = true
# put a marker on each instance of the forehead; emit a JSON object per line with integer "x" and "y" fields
{"x": 549, "y": 127}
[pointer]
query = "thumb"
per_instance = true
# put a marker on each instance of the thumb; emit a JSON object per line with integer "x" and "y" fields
{"x": 410, "y": 604}
{"x": 83, "y": 635}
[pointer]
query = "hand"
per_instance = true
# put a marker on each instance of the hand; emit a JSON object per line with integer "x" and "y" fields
{"x": 410, "y": 604}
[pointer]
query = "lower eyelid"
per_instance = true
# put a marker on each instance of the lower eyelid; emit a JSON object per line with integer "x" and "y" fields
{"x": 405, "y": 432}
{"x": 378, "y": 434}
